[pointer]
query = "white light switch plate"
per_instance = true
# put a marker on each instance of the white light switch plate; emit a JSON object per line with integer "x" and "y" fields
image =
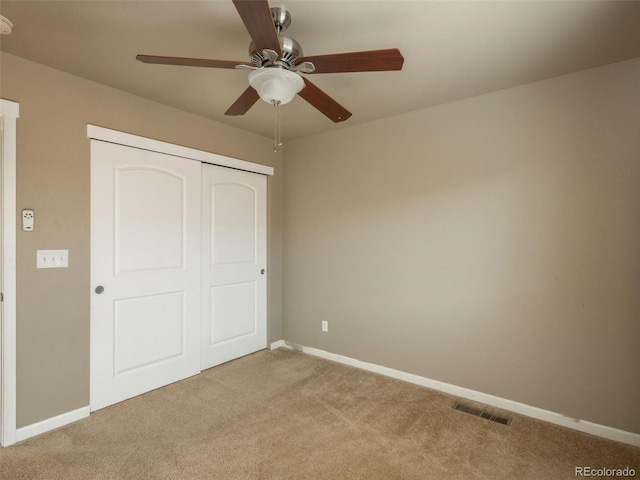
{"x": 52, "y": 259}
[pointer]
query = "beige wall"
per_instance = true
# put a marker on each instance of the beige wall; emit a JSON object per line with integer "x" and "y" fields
{"x": 53, "y": 179}
{"x": 491, "y": 243}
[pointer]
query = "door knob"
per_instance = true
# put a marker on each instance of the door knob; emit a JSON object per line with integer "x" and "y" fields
{"x": 99, "y": 289}
{"x": 262, "y": 271}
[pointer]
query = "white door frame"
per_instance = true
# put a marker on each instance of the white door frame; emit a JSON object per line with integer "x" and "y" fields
{"x": 10, "y": 111}
{"x": 129, "y": 140}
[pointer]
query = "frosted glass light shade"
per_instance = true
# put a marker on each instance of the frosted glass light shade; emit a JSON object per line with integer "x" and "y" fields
{"x": 276, "y": 85}
{"x": 6, "y": 27}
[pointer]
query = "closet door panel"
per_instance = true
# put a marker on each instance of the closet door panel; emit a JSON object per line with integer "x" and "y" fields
{"x": 145, "y": 271}
{"x": 234, "y": 313}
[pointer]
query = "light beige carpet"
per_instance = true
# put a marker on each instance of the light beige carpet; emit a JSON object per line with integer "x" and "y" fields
{"x": 286, "y": 415}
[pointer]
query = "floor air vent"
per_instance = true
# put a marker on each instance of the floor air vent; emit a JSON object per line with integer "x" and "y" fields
{"x": 461, "y": 407}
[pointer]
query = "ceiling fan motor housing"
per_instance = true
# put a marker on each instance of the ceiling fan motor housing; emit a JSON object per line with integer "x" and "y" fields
{"x": 291, "y": 49}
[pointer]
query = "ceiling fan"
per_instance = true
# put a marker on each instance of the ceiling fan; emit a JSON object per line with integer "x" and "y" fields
{"x": 277, "y": 60}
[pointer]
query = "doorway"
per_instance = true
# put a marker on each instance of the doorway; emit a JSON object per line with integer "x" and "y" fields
{"x": 9, "y": 112}
{"x": 178, "y": 259}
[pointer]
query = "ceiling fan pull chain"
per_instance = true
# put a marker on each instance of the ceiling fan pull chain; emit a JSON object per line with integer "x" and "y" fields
{"x": 276, "y": 126}
{"x": 279, "y": 125}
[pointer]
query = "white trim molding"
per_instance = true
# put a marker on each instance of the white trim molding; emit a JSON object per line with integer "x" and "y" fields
{"x": 277, "y": 344}
{"x": 10, "y": 111}
{"x": 114, "y": 136}
{"x": 584, "y": 426}
{"x": 51, "y": 423}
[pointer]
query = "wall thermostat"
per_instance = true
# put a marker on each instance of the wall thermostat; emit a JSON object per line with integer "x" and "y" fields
{"x": 27, "y": 220}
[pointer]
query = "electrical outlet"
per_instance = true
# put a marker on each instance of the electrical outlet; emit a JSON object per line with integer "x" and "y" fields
{"x": 325, "y": 326}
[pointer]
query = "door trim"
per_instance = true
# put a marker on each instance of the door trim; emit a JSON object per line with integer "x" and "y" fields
{"x": 129, "y": 140}
{"x": 10, "y": 112}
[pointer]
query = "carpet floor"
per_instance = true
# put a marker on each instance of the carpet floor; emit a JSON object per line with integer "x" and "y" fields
{"x": 286, "y": 415}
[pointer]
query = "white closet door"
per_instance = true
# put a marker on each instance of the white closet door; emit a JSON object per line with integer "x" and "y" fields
{"x": 234, "y": 286}
{"x": 145, "y": 271}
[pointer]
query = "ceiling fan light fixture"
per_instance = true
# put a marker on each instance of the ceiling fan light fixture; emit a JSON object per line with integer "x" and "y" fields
{"x": 276, "y": 85}
{"x": 6, "y": 27}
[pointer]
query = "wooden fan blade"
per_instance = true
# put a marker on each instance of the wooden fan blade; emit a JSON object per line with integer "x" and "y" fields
{"x": 369, "y": 61}
{"x": 244, "y": 102}
{"x": 257, "y": 19}
{"x": 324, "y": 102}
{"x": 189, "y": 62}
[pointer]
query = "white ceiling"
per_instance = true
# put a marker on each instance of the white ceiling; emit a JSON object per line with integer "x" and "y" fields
{"x": 452, "y": 49}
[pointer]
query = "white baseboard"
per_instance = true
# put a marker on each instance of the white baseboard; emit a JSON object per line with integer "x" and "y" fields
{"x": 278, "y": 344}
{"x": 604, "y": 431}
{"x": 610, "y": 433}
{"x": 51, "y": 423}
